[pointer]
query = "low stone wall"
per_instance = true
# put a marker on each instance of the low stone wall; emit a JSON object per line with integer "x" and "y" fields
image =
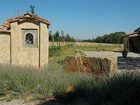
{"x": 60, "y": 43}
{"x": 95, "y": 44}
{"x": 92, "y": 65}
{"x": 82, "y": 44}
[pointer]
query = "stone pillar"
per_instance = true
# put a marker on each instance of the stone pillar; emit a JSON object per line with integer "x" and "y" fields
{"x": 113, "y": 67}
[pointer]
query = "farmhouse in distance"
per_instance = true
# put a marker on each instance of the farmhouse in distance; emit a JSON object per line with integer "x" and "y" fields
{"x": 24, "y": 41}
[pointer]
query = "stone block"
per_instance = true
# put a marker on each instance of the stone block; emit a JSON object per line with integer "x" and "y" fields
{"x": 92, "y": 65}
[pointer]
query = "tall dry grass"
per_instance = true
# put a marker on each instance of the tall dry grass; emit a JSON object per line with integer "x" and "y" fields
{"x": 68, "y": 88}
{"x": 25, "y": 81}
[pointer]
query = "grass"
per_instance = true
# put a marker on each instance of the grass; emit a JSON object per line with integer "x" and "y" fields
{"x": 70, "y": 50}
{"x": 25, "y": 82}
{"x": 54, "y": 50}
{"x": 117, "y": 90}
{"x": 69, "y": 88}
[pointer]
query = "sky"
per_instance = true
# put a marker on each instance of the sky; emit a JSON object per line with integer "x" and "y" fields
{"x": 82, "y": 19}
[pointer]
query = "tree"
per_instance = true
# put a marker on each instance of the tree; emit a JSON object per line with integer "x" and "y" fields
{"x": 57, "y": 36}
{"x": 137, "y": 30}
{"x": 98, "y": 39}
{"x": 116, "y": 37}
{"x": 51, "y": 37}
{"x": 63, "y": 36}
{"x": 60, "y": 36}
{"x": 67, "y": 38}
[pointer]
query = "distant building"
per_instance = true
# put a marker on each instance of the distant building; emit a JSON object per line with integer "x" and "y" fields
{"x": 24, "y": 41}
{"x": 132, "y": 42}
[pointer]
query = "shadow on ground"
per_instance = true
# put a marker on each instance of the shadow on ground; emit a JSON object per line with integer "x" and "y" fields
{"x": 51, "y": 102}
{"x": 118, "y": 90}
{"x": 129, "y": 63}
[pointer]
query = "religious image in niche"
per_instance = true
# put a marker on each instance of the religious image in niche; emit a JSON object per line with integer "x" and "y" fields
{"x": 29, "y": 38}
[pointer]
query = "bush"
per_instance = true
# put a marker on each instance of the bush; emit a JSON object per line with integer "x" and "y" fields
{"x": 54, "y": 50}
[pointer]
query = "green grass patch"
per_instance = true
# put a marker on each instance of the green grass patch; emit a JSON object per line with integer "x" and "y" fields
{"x": 54, "y": 50}
{"x": 67, "y": 50}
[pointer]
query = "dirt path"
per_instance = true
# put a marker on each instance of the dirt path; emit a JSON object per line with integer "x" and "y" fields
{"x": 18, "y": 102}
{"x": 132, "y": 62}
{"x": 108, "y": 54}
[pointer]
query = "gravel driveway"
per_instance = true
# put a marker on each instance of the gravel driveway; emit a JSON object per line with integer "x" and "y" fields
{"x": 132, "y": 62}
{"x": 18, "y": 102}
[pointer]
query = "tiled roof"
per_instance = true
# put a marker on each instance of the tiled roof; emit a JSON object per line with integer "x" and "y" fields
{"x": 132, "y": 33}
{"x": 28, "y": 16}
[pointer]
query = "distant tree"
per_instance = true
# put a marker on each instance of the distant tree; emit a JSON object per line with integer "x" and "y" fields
{"x": 67, "y": 38}
{"x": 116, "y": 37}
{"x": 99, "y": 39}
{"x": 137, "y": 30}
{"x": 60, "y": 36}
{"x": 50, "y": 36}
{"x": 57, "y": 36}
{"x": 63, "y": 36}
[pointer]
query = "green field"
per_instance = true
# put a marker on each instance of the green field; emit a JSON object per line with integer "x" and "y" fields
{"x": 70, "y": 50}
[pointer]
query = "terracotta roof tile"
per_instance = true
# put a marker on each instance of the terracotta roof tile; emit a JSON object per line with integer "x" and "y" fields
{"x": 27, "y": 16}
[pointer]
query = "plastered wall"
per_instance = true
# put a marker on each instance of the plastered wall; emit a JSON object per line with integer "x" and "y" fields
{"x": 28, "y": 56}
{"x": 4, "y": 48}
{"x": 14, "y": 51}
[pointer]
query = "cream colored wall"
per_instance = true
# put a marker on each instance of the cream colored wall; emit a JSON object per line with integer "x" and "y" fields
{"x": 44, "y": 43}
{"x": 28, "y": 25}
{"x": 15, "y": 44}
{"x": 4, "y": 49}
{"x": 28, "y": 56}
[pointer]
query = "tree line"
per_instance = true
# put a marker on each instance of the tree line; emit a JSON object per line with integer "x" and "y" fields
{"x": 60, "y": 36}
{"x": 116, "y": 37}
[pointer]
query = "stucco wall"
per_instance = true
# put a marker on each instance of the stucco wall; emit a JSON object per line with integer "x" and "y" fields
{"x": 14, "y": 44}
{"x": 4, "y": 48}
{"x": 13, "y": 48}
{"x": 27, "y": 55}
{"x": 44, "y": 43}
{"x": 36, "y": 56}
{"x": 22, "y": 55}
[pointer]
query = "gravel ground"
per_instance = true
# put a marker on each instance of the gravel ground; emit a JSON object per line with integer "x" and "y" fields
{"x": 108, "y": 54}
{"x": 131, "y": 63}
{"x": 18, "y": 102}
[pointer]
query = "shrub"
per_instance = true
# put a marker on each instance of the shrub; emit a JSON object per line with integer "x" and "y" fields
{"x": 54, "y": 50}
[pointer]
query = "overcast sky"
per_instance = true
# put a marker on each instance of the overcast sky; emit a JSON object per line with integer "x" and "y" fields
{"x": 82, "y": 19}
